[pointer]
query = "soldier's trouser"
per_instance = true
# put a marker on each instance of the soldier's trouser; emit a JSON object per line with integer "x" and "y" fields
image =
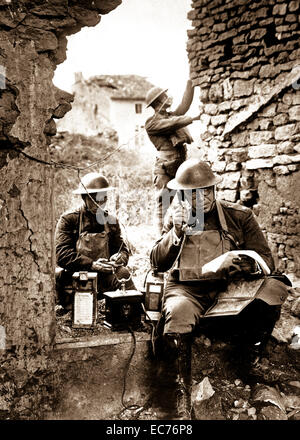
{"x": 182, "y": 311}
{"x": 163, "y": 198}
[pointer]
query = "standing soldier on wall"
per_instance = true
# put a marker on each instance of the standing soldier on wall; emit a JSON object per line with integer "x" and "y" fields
{"x": 168, "y": 133}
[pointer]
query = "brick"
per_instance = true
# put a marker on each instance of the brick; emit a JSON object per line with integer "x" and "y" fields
{"x": 255, "y": 164}
{"x": 294, "y": 113}
{"x": 284, "y": 132}
{"x": 260, "y": 137}
{"x": 281, "y": 119}
{"x": 263, "y": 150}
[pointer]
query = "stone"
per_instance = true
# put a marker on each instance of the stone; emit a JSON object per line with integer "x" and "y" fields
{"x": 216, "y": 93}
{"x": 11, "y": 20}
{"x": 106, "y": 6}
{"x": 293, "y": 5}
{"x": 263, "y": 150}
{"x": 239, "y": 154}
{"x": 61, "y": 110}
{"x": 282, "y": 159}
{"x": 281, "y": 170}
{"x": 228, "y": 194}
{"x": 294, "y": 113}
{"x": 255, "y": 164}
{"x": 232, "y": 166}
{"x": 246, "y": 195}
{"x": 228, "y": 89}
{"x": 43, "y": 40}
{"x": 242, "y": 88}
{"x": 211, "y": 109}
{"x": 280, "y": 9}
{"x": 268, "y": 71}
{"x": 285, "y": 147}
{"x": 218, "y": 120}
{"x": 291, "y": 18}
{"x": 281, "y": 119}
{"x": 230, "y": 180}
{"x": 270, "y": 110}
{"x": 240, "y": 139}
{"x": 84, "y": 17}
{"x": 218, "y": 166}
{"x": 285, "y": 132}
{"x": 272, "y": 413}
{"x": 295, "y": 309}
{"x": 260, "y": 137}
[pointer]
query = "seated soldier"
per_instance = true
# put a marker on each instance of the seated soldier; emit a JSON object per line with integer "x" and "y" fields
{"x": 89, "y": 239}
{"x": 197, "y": 230}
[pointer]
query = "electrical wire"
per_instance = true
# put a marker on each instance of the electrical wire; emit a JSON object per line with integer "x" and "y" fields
{"x": 125, "y": 406}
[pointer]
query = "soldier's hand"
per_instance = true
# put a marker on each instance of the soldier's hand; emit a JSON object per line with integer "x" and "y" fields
{"x": 245, "y": 263}
{"x": 102, "y": 265}
{"x": 180, "y": 217}
{"x": 119, "y": 259}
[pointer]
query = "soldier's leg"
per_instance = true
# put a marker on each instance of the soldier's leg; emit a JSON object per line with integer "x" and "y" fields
{"x": 182, "y": 312}
{"x": 163, "y": 199}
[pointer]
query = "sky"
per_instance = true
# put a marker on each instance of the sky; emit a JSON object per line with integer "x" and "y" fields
{"x": 142, "y": 37}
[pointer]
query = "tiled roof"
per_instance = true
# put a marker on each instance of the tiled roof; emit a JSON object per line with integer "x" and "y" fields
{"x": 122, "y": 86}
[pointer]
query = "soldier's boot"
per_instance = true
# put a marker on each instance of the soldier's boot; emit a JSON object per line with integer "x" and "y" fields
{"x": 180, "y": 344}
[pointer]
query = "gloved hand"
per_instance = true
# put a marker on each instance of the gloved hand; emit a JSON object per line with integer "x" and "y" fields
{"x": 246, "y": 264}
{"x": 234, "y": 266}
{"x": 119, "y": 259}
{"x": 180, "y": 217}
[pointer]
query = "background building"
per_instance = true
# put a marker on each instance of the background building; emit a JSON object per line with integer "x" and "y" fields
{"x": 106, "y": 102}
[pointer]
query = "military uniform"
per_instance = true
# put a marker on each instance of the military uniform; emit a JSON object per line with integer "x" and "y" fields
{"x": 97, "y": 241}
{"x": 186, "y": 299}
{"x": 168, "y": 133}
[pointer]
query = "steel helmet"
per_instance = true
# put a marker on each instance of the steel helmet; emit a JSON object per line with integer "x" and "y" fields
{"x": 92, "y": 183}
{"x": 194, "y": 173}
{"x": 153, "y": 94}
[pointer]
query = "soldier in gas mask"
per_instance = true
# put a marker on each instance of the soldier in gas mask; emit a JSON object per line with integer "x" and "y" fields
{"x": 90, "y": 239}
{"x": 197, "y": 230}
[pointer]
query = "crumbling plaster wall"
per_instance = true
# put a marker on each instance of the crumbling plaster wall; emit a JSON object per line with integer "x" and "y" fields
{"x": 32, "y": 43}
{"x": 245, "y": 57}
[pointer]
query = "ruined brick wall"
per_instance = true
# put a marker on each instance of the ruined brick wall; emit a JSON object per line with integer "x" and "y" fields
{"x": 245, "y": 57}
{"x": 32, "y": 43}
